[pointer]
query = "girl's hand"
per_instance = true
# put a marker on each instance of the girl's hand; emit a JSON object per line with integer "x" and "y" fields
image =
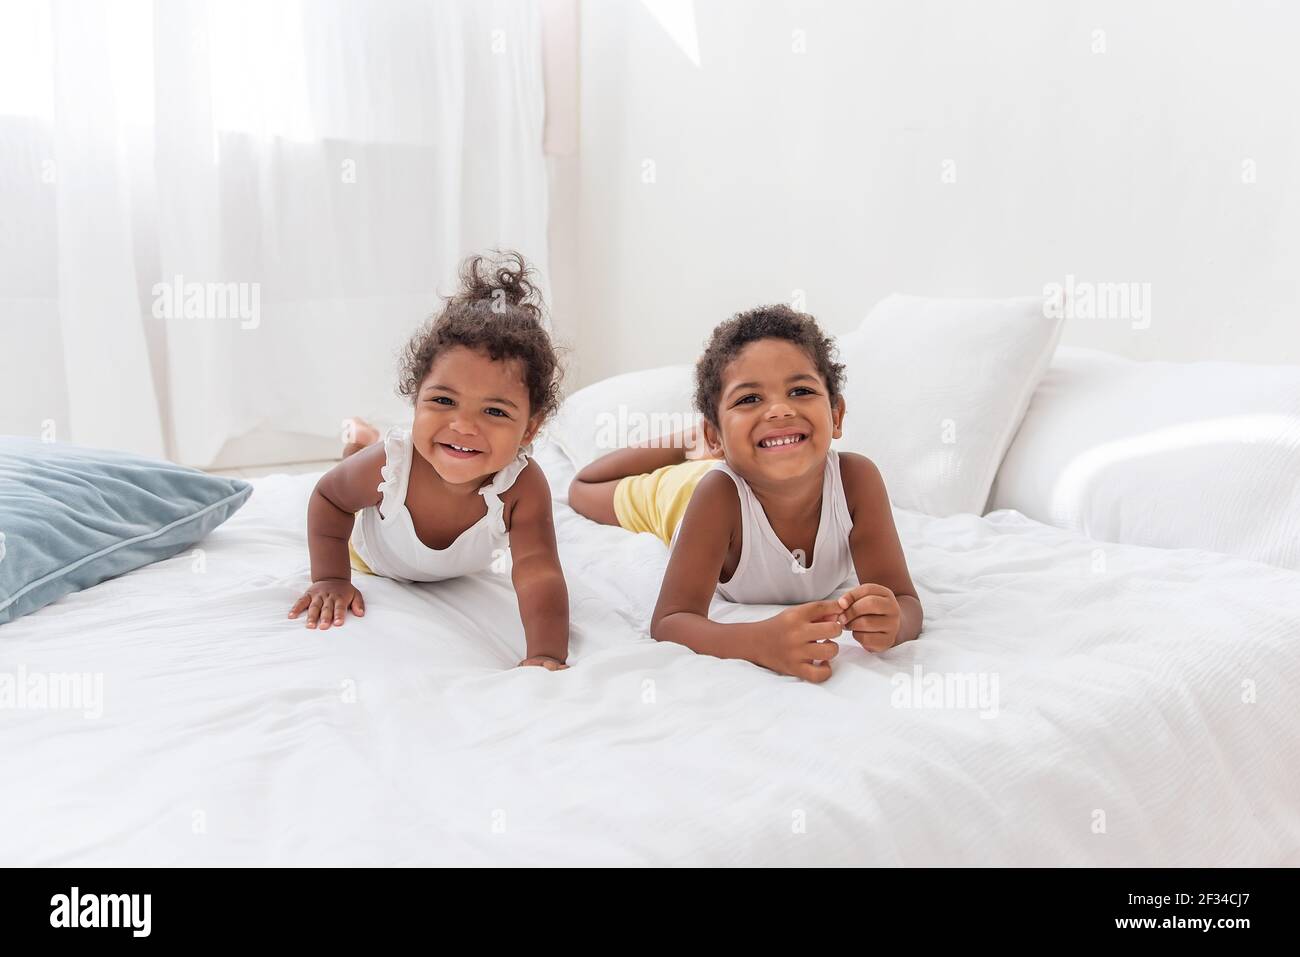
{"x": 544, "y": 661}
{"x": 871, "y": 612}
{"x": 326, "y": 602}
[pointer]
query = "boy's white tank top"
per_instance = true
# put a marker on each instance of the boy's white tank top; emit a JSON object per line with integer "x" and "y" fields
{"x": 384, "y": 535}
{"x": 768, "y": 573}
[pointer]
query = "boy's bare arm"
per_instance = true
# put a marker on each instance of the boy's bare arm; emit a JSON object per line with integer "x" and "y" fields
{"x": 877, "y": 552}
{"x": 640, "y": 459}
{"x": 784, "y": 643}
{"x": 624, "y": 462}
{"x": 682, "y": 611}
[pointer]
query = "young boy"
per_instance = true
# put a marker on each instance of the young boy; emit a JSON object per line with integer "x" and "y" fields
{"x": 773, "y": 515}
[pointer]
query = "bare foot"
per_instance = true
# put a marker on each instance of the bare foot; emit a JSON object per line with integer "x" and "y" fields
{"x": 357, "y": 434}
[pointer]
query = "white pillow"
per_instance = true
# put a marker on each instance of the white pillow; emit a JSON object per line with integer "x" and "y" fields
{"x": 1177, "y": 455}
{"x": 623, "y": 410}
{"x": 936, "y": 389}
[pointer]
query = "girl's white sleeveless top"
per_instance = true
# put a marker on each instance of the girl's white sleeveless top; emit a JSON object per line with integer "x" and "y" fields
{"x": 384, "y": 535}
{"x": 768, "y": 573}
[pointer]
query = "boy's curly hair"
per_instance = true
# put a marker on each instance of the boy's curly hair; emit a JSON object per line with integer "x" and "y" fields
{"x": 762, "y": 322}
{"x": 497, "y": 310}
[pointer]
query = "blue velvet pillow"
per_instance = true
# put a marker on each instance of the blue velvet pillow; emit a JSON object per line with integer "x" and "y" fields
{"x": 73, "y": 517}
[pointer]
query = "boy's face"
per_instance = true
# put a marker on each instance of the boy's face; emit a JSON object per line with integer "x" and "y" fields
{"x": 775, "y": 416}
{"x": 471, "y": 415}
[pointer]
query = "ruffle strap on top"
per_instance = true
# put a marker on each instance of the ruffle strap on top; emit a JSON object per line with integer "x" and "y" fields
{"x": 500, "y": 482}
{"x": 397, "y": 470}
{"x": 392, "y": 487}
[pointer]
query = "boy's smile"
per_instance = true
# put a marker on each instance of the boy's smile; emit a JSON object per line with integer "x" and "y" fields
{"x": 782, "y": 439}
{"x": 775, "y": 417}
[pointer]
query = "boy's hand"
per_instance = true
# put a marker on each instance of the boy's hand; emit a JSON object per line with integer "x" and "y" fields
{"x": 544, "y": 661}
{"x": 800, "y": 641}
{"x": 871, "y": 612}
{"x": 326, "y": 602}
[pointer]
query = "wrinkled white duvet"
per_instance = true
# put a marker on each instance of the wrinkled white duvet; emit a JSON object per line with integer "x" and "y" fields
{"x": 1123, "y": 705}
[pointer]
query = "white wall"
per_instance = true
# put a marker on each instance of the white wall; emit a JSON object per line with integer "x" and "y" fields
{"x": 822, "y": 171}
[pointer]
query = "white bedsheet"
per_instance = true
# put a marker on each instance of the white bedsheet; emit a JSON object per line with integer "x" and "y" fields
{"x": 230, "y": 735}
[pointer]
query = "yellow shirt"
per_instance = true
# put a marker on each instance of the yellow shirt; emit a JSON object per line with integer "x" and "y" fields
{"x": 656, "y": 501}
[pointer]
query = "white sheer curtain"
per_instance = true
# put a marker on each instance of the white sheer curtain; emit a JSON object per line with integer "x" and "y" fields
{"x": 313, "y": 170}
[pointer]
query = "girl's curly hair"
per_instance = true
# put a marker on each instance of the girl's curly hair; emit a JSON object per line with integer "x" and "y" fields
{"x": 762, "y": 322}
{"x": 497, "y": 310}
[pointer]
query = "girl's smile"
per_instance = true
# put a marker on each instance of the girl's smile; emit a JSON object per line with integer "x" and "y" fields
{"x": 471, "y": 416}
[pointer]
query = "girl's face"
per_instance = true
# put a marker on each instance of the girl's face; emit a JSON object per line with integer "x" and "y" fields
{"x": 471, "y": 415}
{"x": 775, "y": 416}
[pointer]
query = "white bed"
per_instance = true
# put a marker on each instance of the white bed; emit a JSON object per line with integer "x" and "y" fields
{"x": 231, "y": 735}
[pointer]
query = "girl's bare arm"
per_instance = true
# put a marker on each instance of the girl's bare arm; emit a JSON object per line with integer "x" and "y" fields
{"x": 538, "y": 578}
{"x": 343, "y": 491}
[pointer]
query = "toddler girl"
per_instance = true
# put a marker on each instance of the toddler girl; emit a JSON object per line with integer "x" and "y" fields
{"x": 449, "y": 495}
